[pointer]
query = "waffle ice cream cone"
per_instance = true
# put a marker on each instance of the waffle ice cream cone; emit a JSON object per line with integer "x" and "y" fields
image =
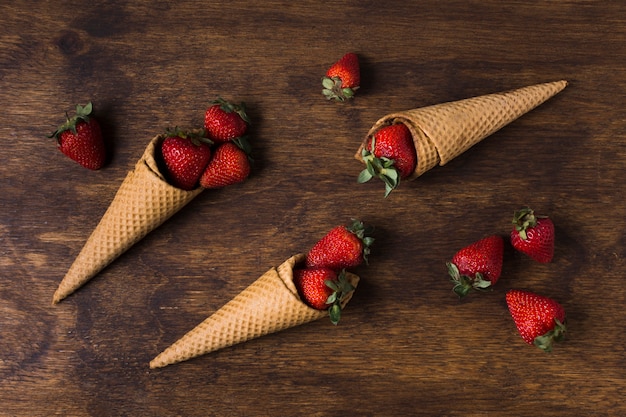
{"x": 143, "y": 202}
{"x": 270, "y": 304}
{"x": 443, "y": 131}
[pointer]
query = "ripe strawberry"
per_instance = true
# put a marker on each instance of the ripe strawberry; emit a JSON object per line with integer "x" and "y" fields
{"x": 225, "y": 121}
{"x": 322, "y": 289}
{"x": 477, "y": 266}
{"x": 539, "y": 320}
{"x": 533, "y": 235}
{"x": 389, "y": 155}
{"x": 80, "y": 138}
{"x": 186, "y": 154}
{"x": 342, "y": 247}
{"x": 343, "y": 78}
{"x": 230, "y": 164}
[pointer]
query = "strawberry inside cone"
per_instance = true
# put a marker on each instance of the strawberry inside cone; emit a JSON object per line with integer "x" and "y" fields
{"x": 323, "y": 289}
{"x": 389, "y": 155}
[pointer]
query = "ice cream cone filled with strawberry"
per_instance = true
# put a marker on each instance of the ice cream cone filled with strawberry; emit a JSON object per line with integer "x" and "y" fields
{"x": 163, "y": 181}
{"x": 302, "y": 289}
{"x": 406, "y": 144}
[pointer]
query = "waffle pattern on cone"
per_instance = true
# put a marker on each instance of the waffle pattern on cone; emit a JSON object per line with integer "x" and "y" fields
{"x": 142, "y": 203}
{"x": 443, "y": 131}
{"x": 270, "y": 304}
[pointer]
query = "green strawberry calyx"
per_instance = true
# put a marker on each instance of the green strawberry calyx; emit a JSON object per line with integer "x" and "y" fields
{"x": 545, "y": 342}
{"x": 196, "y": 136}
{"x": 362, "y": 231}
{"x": 523, "y": 220}
{"x": 463, "y": 284}
{"x": 82, "y": 115}
{"x": 229, "y": 107}
{"x": 382, "y": 168}
{"x": 243, "y": 143}
{"x": 341, "y": 289}
{"x": 333, "y": 90}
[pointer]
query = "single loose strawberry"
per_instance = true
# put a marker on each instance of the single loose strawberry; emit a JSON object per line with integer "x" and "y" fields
{"x": 186, "y": 155}
{"x": 342, "y": 247}
{"x": 224, "y": 121}
{"x": 80, "y": 138}
{"x": 322, "y": 289}
{"x": 477, "y": 266}
{"x": 389, "y": 155}
{"x": 343, "y": 78}
{"x": 533, "y": 235}
{"x": 230, "y": 164}
{"x": 540, "y": 320}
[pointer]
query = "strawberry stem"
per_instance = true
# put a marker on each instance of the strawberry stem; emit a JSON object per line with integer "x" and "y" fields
{"x": 362, "y": 231}
{"x": 333, "y": 90}
{"x": 82, "y": 114}
{"x": 229, "y": 107}
{"x": 341, "y": 288}
{"x": 545, "y": 342}
{"x": 463, "y": 284}
{"x": 523, "y": 220}
{"x": 382, "y": 168}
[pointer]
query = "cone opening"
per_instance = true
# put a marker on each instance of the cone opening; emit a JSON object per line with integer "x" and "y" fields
{"x": 153, "y": 158}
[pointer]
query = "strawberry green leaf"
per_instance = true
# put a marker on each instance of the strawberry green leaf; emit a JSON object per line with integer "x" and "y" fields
{"x": 333, "y": 90}
{"x": 82, "y": 114}
{"x": 382, "y": 168}
{"x": 546, "y": 341}
{"x": 341, "y": 289}
{"x": 365, "y": 176}
{"x": 335, "y": 314}
{"x": 463, "y": 284}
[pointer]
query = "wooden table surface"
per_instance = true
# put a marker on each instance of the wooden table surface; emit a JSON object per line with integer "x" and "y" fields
{"x": 406, "y": 344}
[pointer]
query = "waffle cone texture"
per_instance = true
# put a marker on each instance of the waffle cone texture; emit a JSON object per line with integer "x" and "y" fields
{"x": 444, "y": 131}
{"x": 144, "y": 201}
{"x": 270, "y": 304}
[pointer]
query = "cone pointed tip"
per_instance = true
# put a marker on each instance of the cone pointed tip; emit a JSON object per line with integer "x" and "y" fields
{"x": 157, "y": 363}
{"x": 56, "y": 299}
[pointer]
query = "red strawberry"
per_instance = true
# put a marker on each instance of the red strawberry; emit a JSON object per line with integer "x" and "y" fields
{"x": 80, "y": 138}
{"x": 186, "y": 154}
{"x": 389, "y": 155}
{"x": 343, "y": 78}
{"x": 225, "y": 121}
{"x": 229, "y": 165}
{"x": 322, "y": 289}
{"x": 477, "y": 266}
{"x": 539, "y": 320}
{"x": 533, "y": 235}
{"x": 342, "y": 247}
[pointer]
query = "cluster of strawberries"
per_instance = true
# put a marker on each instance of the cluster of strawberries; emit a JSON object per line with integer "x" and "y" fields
{"x": 213, "y": 157}
{"x": 539, "y": 319}
{"x": 321, "y": 282}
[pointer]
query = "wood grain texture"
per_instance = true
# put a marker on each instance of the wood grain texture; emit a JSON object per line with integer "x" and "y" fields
{"x": 406, "y": 345}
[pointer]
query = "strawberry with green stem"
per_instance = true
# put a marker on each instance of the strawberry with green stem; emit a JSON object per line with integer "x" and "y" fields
{"x": 343, "y": 78}
{"x": 540, "y": 320}
{"x": 342, "y": 247}
{"x": 80, "y": 138}
{"x": 477, "y": 266}
{"x": 533, "y": 235}
{"x": 389, "y": 155}
{"x": 323, "y": 289}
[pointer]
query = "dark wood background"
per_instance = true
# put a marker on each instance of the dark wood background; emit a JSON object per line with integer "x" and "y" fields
{"x": 406, "y": 345}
